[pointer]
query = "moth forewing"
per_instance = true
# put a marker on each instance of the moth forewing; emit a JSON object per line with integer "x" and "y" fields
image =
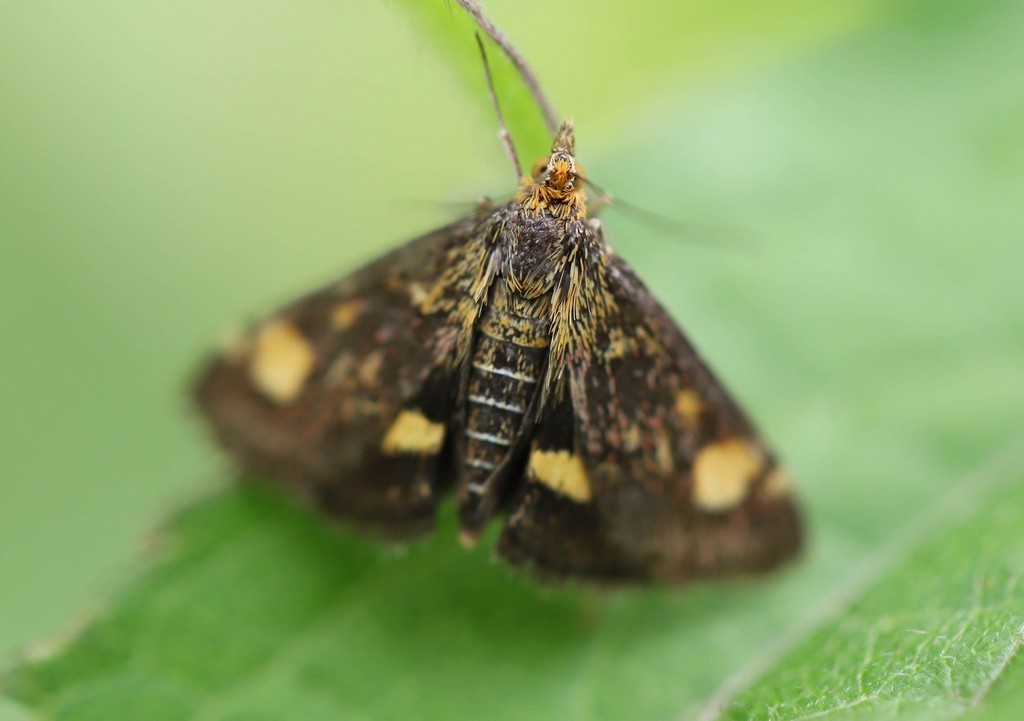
{"x": 363, "y": 430}
{"x": 514, "y": 358}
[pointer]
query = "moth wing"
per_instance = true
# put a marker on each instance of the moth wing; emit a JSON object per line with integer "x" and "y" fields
{"x": 662, "y": 476}
{"x": 342, "y": 396}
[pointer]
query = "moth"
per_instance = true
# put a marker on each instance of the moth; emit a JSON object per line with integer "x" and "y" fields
{"x": 513, "y": 360}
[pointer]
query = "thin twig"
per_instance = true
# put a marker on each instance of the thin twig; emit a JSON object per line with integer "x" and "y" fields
{"x": 517, "y": 60}
{"x": 506, "y": 137}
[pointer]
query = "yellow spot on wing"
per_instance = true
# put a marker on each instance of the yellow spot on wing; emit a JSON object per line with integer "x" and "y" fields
{"x": 562, "y": 472}
{"x": 413, "y": 432}
{"x": 723, "y": 472}
{"x": 345, "y": 314}
{"x": 281, "y": 361}
{"x": 688, "y": 406}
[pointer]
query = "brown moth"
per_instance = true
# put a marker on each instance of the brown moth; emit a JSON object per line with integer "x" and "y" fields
{"x": 514, "y": 360}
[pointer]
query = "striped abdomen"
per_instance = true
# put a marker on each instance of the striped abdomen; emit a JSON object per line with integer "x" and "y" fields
{"x": 506, "y": 370}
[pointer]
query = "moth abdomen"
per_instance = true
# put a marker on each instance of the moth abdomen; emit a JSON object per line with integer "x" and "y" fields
{"x": 506, "y": 370}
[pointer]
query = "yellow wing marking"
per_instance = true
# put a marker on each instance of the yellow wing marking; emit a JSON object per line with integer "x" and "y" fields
{"x": 723, "y": 473}
{"x": 282, "y": 359}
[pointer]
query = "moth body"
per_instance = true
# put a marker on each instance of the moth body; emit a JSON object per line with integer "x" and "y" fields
{"x": 514, "y": 360}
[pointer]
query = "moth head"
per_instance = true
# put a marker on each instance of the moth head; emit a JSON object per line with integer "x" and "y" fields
{"x": 558, "y": 170}
{"x": 555, "y": 184}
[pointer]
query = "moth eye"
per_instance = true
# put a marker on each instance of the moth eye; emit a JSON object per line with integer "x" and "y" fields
{"x": 539, "y": 167}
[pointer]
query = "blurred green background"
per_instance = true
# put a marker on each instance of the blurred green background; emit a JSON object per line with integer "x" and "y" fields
{"x": 170, "y": 169}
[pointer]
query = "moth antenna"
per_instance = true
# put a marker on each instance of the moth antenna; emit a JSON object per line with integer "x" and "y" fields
{"x": 518, "y": 61}
{"x": 704, "y": 235}
{"x": 503, "y": 133}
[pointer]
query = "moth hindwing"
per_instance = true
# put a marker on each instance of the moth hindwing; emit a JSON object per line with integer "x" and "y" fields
{"x": 512, "y": 359}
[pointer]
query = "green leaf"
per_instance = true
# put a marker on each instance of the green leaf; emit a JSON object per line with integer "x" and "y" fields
{"x": 254, "y": 609}
{"x": 876, "y": 332}
{"x": 930, "y": 637}
{"x": 257, "y": 609}
{"x": 1003, "y": 700}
